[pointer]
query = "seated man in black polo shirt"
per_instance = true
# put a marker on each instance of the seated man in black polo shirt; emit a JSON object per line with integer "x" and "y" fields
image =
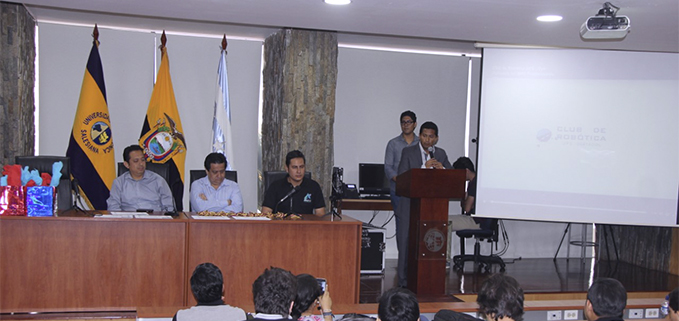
{"x": 294, "y": 194}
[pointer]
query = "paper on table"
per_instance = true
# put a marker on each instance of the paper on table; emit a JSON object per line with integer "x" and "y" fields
{"x": 254, "y": 218}
{"x": 159, "y": 217}
{"x": 200, "y": 217}
{"x": 125, "y": 213}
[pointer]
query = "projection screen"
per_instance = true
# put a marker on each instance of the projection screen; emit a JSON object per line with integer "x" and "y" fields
{"x": 579, "y": 136}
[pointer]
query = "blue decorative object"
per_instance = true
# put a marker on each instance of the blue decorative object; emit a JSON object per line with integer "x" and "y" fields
{"x": 25, "y": 175}
{"x": 40, "y": 200}
{"x": 56, "y": 173}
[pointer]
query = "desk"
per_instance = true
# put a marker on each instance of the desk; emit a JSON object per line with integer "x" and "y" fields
{"x": 83, "y": 262}
{"x": 243, "y": 249}
{"x": 364, "y": 205}
{"x": 80, "y": 263}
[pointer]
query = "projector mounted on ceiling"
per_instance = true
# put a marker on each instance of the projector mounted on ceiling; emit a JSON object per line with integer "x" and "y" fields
{"x": 605, "y": 25}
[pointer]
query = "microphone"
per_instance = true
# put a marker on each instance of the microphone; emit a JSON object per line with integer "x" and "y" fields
{"x": 74, "y": 187}
{"x": 174, "y": 212}
{"x": 431, "y": 151}
{"x": 293, "y": 191}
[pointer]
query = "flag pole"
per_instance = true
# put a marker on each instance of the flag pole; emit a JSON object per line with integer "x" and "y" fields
{"x": 163, "y": 42}
{"x": 224, "y": 44}
{"x": 95, "y": 35}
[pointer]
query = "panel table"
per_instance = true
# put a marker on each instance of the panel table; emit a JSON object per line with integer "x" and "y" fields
{"x": 91, "y": 263}
{"x": 243, "y": 249}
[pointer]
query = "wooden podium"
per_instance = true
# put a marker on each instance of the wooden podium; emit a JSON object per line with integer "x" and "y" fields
{"x": 429, "y": 191}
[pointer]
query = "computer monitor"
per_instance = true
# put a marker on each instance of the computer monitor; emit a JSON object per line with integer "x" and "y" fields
{"x": 371, "y": 179}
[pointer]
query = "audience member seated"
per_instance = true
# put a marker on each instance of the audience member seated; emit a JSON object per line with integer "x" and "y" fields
{"x": 213, "y": 192}
{"x": 273, "y": 293}
{"x": 139, "y": 188}
{"x": 207, "y": 285}
{"x": 606, "y": 300}
{"x": 674, "y": 305}
{"x": 500, "y": 299}
{"x": 398, "y": 304}
{"x": 310, "y": 298}
{"x": 465, "y": 221}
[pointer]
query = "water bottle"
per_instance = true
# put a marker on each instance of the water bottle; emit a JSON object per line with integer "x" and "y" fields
{"x": 665, "y": 308}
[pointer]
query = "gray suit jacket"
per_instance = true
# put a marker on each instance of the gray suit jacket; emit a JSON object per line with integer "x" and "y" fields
{"x": 411, "y": 158}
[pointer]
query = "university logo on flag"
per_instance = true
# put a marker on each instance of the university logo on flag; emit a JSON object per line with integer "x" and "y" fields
{"x": 90, "y": 147}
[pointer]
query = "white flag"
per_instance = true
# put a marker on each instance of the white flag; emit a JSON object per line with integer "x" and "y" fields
{"x": 221, "y": 124}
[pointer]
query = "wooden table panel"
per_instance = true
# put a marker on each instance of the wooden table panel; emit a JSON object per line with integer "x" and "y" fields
{"x": 365, "y": 205}
{"x": 53, "y": 263}
{"x": 243, "y": 249}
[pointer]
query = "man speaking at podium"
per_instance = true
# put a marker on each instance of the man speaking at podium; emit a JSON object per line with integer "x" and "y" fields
{"x": 422, "y": 155}
{"x": 294, "y": 193}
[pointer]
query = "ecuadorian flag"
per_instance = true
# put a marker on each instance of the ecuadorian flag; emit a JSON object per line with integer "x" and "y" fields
{"x": 162, "y": 136}
{"x": 91, "y": 146}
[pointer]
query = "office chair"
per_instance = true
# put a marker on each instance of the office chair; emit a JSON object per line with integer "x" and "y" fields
{"x": 272, "y": 176}
{"x": 44, "y": 165}
{"x": 162, "y": 169}
{"x": 195, "y": 174}
{"x": 489, "y": 232}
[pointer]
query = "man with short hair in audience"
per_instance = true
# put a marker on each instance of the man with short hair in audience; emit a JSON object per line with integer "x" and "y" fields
{"x": 138, "y": 188}
{"x": 674, "y": 305}
{"x": 606, "y": 300}
{"x": 214, "y": 192}
{"x": 500, "y": 299}
{"x": 398, "y": 304}
{"x": 207, "y": 285}
{"x": 274, "y": 293}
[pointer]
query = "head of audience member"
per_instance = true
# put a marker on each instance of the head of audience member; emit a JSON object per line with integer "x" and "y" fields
{"x": 398, "y": 304}
{"x": 215, "y": 167}
{"x": 295, "y": 165}
{"x": 135, "y": 160}
{"x": 605, "y": 298}
{"x": 429, "y": 135}
{"x": 207, "y": 283}
{"x": 500, "y": 298}
{"x": 674, "y": 305}
{"x": 467, "y": 164}
{"x": 308, "y": 292}
{"x": 408, "y": 122}
{"x": 274, "y": 292}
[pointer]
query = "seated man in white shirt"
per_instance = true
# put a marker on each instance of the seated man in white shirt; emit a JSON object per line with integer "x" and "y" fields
{"x": 139, "y": 189}
{"x": 213, "y": 192}
{"x": 207, "y": 285}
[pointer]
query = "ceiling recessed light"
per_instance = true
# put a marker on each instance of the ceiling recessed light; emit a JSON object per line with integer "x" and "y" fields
{"x": 549, "y": 18}
{"x": 337, "y": 2}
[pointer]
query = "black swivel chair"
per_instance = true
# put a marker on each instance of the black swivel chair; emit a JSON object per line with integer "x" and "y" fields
{"x": 489, "y": 232}
{"x": 44, "y": 165}
{"x": 272, "y": 176}
{"x": 195, "y": 174}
